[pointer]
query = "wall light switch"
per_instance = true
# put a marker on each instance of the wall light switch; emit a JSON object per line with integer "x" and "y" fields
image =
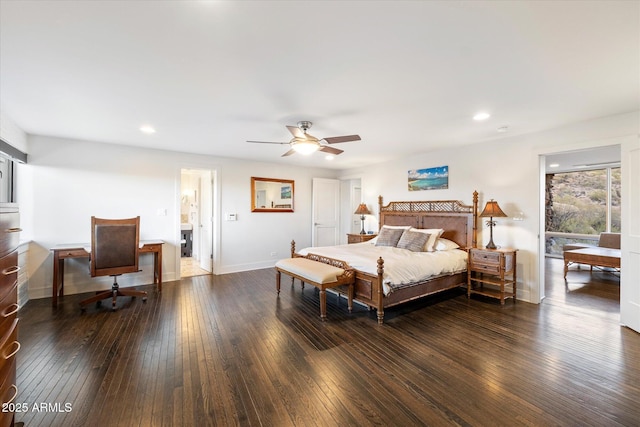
{"x": 161, "y": 212}
{"x": 231, "y": 217}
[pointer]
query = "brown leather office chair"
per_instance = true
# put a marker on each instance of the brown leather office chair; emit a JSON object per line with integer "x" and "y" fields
{"x": 115, "y": 244}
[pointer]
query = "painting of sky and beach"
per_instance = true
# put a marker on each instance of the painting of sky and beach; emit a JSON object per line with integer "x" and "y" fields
{"x": 429, "y": 179}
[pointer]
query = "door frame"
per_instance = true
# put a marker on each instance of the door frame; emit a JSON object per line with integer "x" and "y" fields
{"x": 215, "y": 221}
{"x": 630, "y": 241}
{"x": 627, "y": 182}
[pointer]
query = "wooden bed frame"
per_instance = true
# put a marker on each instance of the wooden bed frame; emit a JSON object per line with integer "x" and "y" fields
{"x": 459, "y": 222}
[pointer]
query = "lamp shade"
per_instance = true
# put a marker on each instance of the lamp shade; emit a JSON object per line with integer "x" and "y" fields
{"x": 492, "y": 210}
{"x": 362, "y": 210}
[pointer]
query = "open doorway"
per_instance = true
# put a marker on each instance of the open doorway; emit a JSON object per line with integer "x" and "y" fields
{"x": 581, "y": 200}
{"x": 196, "y": 222}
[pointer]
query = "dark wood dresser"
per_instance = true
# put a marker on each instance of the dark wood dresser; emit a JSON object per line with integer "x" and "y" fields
{"x": 9, "y": 345}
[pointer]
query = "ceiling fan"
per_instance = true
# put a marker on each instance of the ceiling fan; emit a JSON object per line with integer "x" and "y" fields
{"x": 305, "y": 143}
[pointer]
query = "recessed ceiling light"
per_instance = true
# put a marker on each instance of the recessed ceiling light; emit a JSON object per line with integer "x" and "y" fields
{"x": 554, "y": 165}
{"x": 481, "y": 116}
{"x": 147, "y": 129}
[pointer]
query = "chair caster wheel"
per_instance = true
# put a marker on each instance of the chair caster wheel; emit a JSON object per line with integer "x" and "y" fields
{"x": 144, "y": 300}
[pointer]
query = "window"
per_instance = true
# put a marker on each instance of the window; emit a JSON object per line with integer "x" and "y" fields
{"x": 7, "y": 194}
{"x": 580, "y": 206}
{"x": 8, "y": 157}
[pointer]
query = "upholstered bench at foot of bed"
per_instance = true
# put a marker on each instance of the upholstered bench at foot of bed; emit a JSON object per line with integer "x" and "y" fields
{"x": 321, "y": 272}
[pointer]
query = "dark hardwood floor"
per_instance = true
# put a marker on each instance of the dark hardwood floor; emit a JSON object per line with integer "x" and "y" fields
{"x": 224, "y": 350}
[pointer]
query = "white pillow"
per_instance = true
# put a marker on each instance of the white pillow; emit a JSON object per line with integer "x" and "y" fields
{"x": 435, "y": 234}
{"x": 445, "y": 245}
{"x": 403, "y": 227}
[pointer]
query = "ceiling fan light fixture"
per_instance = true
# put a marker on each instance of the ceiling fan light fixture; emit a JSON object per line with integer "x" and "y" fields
{"x": 307, "y": 144}
{"x": 305, "y": 147}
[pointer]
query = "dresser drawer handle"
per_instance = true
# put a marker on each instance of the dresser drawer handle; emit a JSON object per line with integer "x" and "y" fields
{"x": 15, "y": 310}
{"x": 13, "y": 353}
{"x": 14, "y": 394}
{"x": 10, "y": 270}
{"x": 13, "y": 230}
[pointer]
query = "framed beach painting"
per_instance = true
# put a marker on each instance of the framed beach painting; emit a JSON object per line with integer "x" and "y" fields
{"x": 429, "y": 179}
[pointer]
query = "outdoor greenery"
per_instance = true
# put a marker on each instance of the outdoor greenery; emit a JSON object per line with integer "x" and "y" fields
{"x": 579, "y": 206}
{"x": 580, "y": 202}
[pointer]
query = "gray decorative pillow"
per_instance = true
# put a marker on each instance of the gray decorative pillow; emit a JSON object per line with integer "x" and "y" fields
{"x": 413, "y": 240}
{"x": 389, "y": 236}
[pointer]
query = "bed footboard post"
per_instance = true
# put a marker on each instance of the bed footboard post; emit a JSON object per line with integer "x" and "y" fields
{"x": 380, "y": 291}
{"x": 293, "y": 248}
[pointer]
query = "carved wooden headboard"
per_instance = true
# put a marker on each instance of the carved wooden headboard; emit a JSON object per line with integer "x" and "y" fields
{"x": 458, "y": 220}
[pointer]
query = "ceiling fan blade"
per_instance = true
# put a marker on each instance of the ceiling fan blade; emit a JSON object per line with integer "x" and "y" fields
{"x": 296, "y": 131}
{"x": 268, "y": 142}
{"x": 311, "y": 137}
{"x": 288, "y": 153}
{"x": 331, "y": 150}
{"x": 346, "y": 138}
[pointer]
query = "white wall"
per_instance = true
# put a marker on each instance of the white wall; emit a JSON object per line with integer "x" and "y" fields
{"x": 506, "y": 170}
{"x": 68, "y": 181}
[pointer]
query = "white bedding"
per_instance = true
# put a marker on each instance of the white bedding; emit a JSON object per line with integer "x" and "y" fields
{"x": 401, "y": 266}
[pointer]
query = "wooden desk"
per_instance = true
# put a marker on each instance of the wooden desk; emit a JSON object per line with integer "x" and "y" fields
{"x": 596, "y": 256}
{"x": 75, "y": 250}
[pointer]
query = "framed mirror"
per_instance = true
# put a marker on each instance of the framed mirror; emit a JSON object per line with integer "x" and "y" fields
{"x": 271, "y": 195}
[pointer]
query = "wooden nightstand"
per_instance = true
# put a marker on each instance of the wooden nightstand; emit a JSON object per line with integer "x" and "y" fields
{"x": 359, "y": 238}
{"x": 492, "y": 272}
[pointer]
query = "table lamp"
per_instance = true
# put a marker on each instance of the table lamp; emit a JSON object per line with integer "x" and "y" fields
{"x": 492, "y": 210}
{"x": 362, "y": 211}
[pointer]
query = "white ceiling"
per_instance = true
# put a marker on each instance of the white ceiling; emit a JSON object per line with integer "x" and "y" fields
{"x": 406, "y": 76}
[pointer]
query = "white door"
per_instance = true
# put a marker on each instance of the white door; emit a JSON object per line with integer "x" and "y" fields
{"x": 630, "y": 237}
{"x": 356, "y": 222}
{"x": 325, "y": 212}
{"x": 206, "y": 221}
